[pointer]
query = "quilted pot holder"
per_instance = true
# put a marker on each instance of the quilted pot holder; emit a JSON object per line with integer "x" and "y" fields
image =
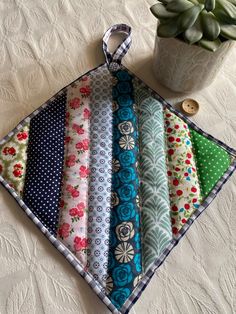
{"x": 113, "y": 176}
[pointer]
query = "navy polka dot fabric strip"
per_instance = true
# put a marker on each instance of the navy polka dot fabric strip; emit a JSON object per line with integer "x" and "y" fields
{"x": 45, "y": 163}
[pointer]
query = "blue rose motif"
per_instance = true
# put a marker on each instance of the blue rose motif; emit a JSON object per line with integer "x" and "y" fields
{"x": 111, "y": 261}
{"x": 124, "y": 87}
{"x": 122, "y": 275}
{"x": 115, "y": 181}
{"x": 127, "y": 192}
{"x": 116, "y": 120}
{"x": 127, "y": 158}
{"x": 123, "y": 76}
{"x": 116, "y": 134}
{"x": 137, "y": 240}
{"x": 137, "y": 261}
{"x": 125, "y": 100}
{"x": 127, "y": 174}
{"x": 125, "y": 114}
{"x": 126, "y": 211}
{"x": 116, "y": 149}
{"x": 119, "y": 296}
{"x": 115, "y": 92}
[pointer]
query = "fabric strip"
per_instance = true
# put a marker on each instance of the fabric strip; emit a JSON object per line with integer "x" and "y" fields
{"x": 124, "y": 266}
{"x": 72, "y": 230}
{"x": 185, "y": 196}
{"x": 13, "y": 155}
{"x": 45, "y": 163}
{"x": 212, "y": 161}
{"x": 100, "y": 175}
{"x": 154, "y": 190}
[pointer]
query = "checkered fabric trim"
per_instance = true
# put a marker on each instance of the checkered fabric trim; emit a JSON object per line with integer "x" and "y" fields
{"x": 98, "y": 289}
{"x": 114, "y": 60}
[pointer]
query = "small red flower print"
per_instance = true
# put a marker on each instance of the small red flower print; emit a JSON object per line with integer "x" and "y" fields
{"x": 175, "y": 182}
{"x": 67, "y": 139}
{"x": 5, "y": 151}
{"x": 176, "y": 126}
{"x": 86, "y": 144}
{"x": 168, "y": 115}
{"x": 187, "y": 161}
{"x": 64, "y": 230}
{"x": 169, "y": 130}
{"x": 193, "y": 169}
{"x": 185, "y": 126}
{"x": 81, "y": 206}
{"x": 87, "y": 113}
{"x": 171, "y": 152}
{"x": 84, "y": 78}
{"x": 85, "y": 91}
{"x": 194, "y": 200}
{"x": 12, "y": 151}
{"x": 175, "y": 230}
{"x": 193, "y": 189}
{"x": 80, "y": 213}
{"x": 80, "y": 243}
{"x": 70, "y": 160}
{"x": 178, "y": 140}
{"x": 189, "y": 155}
{"x": 174, "y": 208}
{"x": 177, "y": 169}
{"x": 74, "y": 103}
{"x": 75, "y": 193}
{"x": 1, "y": 168}
{"x": 22, "y": 136}
{"x": 79, "y": 145}
{"x": 67, "y": 118}
{"x": 62, "y": 203}
{"x": 171, "y": 139}
{"x": 18, "y": 166}
{"x": 186, "y": 174}
{"x": 84, "y": 171}
{"x": 78, "y": 128}
{"x": 169, "y": 173}
{"x": 184, "y": 220}
{"x": 186, "y": 206}
{"x": 73, "y": 211}
{"x": 179, "y": 192}
{"x": 69, "y": 188}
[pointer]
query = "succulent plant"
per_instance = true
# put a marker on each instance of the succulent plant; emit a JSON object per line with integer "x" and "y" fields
{"x": 206, "y": 23}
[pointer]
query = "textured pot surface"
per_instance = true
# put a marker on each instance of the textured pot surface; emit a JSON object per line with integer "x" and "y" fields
{"x": 186, "y": 68}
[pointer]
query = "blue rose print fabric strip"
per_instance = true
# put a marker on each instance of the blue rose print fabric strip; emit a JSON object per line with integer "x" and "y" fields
{"x": 99, "y": 201}
{"x": 124, "y": 267}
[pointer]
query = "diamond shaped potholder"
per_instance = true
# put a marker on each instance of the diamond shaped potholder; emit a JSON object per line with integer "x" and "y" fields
{"x": 113, "y": 176}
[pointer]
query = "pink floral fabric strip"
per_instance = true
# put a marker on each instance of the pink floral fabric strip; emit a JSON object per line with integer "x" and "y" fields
{"x": 184, "y": 188}
{"x": 72, "y": 230}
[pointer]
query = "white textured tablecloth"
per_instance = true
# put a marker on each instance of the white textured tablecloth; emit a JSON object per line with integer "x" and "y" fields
{"x": 44, "y": 45}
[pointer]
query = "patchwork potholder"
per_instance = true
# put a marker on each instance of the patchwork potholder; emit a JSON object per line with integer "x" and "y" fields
{"x": 113, "y": 176}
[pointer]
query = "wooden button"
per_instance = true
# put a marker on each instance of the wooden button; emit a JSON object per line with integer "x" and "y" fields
{"x": 190, "y": 107}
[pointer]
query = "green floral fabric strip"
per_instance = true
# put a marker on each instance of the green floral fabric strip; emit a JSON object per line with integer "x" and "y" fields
{"x": 212, "y": 161}
{"x": 124, "y": 262}
{"x": 13, "y": 159}
{"x": 154, "y": 191}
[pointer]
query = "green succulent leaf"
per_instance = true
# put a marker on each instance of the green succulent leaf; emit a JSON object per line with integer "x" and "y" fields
{"x": 225, "y": 11}
{"x": 228, "y": 31}
{"x": 210, "y": 26}
{"x": 179, "y": 6}
{"x": 189, "y": 17}
{"x": 169, "y": 29}
{"x": 194, "y": 33}
{"x": 210, "y": 5}
{"x": 160, "y": 11}
{"x": 210, "y": 45}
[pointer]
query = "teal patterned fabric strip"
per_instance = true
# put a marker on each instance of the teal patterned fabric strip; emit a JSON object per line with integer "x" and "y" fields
{"x": 154, "y": 192}
{"x": 124, "y": 263}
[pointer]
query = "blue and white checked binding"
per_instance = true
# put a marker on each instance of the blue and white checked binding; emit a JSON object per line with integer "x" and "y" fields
{"x": 98, "y": 289}
{"x": 114, "y": 60}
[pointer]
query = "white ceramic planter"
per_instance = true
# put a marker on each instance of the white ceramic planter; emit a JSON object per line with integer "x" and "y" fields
{"x": 186, "y": 68}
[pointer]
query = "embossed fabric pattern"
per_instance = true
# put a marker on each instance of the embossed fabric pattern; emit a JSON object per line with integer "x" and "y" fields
{"x": 154, "y": 190}
{"x": 99, "y": 202}
{"x": 72, "y": 229}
